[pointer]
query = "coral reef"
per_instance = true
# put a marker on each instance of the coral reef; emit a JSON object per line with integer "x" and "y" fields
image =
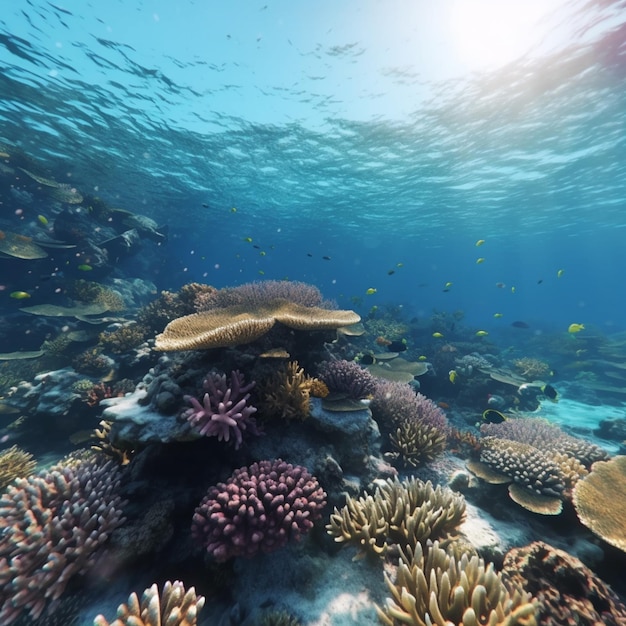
{"x": 279, "y": 618}
{"x": 174, "y": 607}
{"x": 287, "y": 393}
{"x": 347, "y": 377}
{"x": 15, "y": 463}
{"x": 243, "y": 323}
{"x": 600, "y": 501}
{"x": 405, "y": 513}
{"x": 547, "y": 437}
{"x": 259, "y": 293}
{"x": 123, "y": 338}
{"x": 415, "y": 443}
{"x": 52, "y": 525}
{"x": 103, "y": 444}
{"x": 224, "y": 411}
{"x": 433, "y": 587}
{"x": 258, "y": 509}
{"x": 566, "y": 591}
{"x": 94, "y": 293}
{"x": 531, "y": 369}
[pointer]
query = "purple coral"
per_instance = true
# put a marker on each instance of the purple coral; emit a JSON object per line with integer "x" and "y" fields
{"x": 395, "y": 402}
{"x": 258, "y": 509}
{"x": 348, "y": 377}
{"x": 224, "y": 410}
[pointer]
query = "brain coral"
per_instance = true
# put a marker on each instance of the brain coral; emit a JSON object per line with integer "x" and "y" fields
{"x": 258, "y": 509}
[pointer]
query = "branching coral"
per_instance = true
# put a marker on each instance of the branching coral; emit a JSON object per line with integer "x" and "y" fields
{"x": 531, "y": 369}
{"x": 175, "y": 607}
{"x": 287, "y": 394}
{"x": 567, "y": 592}
{"x": 103, "y": 444}
{"x": 15, "y": 463}
{"x": 433, "y": 587}
{"x": 52, "y": 526}
{"x": 348, "y": 377}
{"x": 224, "y": 411}
{"x": 124, "y": 338}
{"x": 415, "y": 443}
{"x": 258, "y": 509}
{"x": 404, "y": 513}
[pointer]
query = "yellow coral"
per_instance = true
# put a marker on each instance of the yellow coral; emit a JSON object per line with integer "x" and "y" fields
{"x": 415, "y": 442}
{"x": 15, "y": 463}
{"x": 288, "y": 392}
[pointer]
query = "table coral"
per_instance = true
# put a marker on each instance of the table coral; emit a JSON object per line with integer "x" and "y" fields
{"x": 258, "y": 509}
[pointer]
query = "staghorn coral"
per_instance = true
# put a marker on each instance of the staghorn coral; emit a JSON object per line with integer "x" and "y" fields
{"x": 433, "y": 587}
{"x": 224, "y": 411}
{"x": 416, "y": 443}
{"x": 124, "y": 338}
{"x": 243, "y": 323}
{"x": 567, "y": 592}
{"x": 15, "y": 463}
{"x": 103, "y": 444}
{"x": 287, "y": 393}
{"x": 600, "y": 501}
{"x": 347, "y": 377}
{"x": 52, "y": 526}
{"x": 260, "y": 293}
{"x": 394, "y": 403}
{"x": 175, "y": 607}
{"x": 404, "y": 513}
{"x": 547, "y": 437}
{"x": 258, "y": 509}
{"x": 531, "y": 369}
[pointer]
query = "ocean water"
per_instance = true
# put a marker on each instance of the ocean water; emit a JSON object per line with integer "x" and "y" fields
{"x": 465, "y": 157}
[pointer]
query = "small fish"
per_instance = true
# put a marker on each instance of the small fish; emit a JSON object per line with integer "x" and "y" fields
{"x": 326, "y": 258}
{"x": 550, "y": 392}
{"x": 19, "y": 295}
{"x": 256, "y": 247}
{"x": 309, "y": 254}
{"x": 500, "y": 285}
{"x": 205, "y": 205}
{"x": 391, "y": 272}
{"x": 452, "y": 376}
{"x": 519, "y": 324}
{"x": 248, "y": 239}
{"x": 43, "y": 220}
{"x": 399, "y": 264}
{"x": 575, "y": 328}
{"x": 481, "y": 333}
{"x": 422, "y": 357}
{"x": 479, "y": 243}
{"x": 262, "y": 253}
{"x": 371, "y": 291}
{"x": 498, "y": 315}
{"x": 540, "y": 281}
{"x": 448, "y": 285}
{"x": 480, "y": 260}
{"x": 512, "y": 289}
{"x": 233, "y": 209}
{"x": 437, "y": 335}
{"x": 443, "y": 405}
{"x": 261, "y": 272}
{"x": 84, "y": 267}
{"x": 560, "y": 273}
{"x": 491, "y": 416}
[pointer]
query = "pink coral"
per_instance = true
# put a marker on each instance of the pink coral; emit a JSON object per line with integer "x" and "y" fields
{"x": 224, "y": 410}
{"x": 52, "y": 526}
{"x": 258, "y": 509}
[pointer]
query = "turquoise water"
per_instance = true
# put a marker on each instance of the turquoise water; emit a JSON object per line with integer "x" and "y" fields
{"x": 354, "y": 132}
{"x": 417, "y": 161}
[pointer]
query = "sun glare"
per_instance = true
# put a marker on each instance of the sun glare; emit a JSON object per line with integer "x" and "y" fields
{"x": 490, "y": 33}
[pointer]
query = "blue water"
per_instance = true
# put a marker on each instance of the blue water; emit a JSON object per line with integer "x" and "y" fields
{"x": 351, "y": 132}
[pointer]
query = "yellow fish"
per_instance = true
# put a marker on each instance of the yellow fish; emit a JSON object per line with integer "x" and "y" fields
{"x": 43, "y": 220}
{"x": 19, "y": 295}
{"x": 371, "y": 291}
{"x": 248, "y": 239}
{"x": 437, "y": 335}
{"x": 498, "y": 314}
{"x": 234, "y": 210}
{"x": 452, "y": 375}
{"x": 482, "y": 333}
{"x": 559, "y": 273}
{"x": 83, "y": 267}
{"x": 512, "y": 289}
{"x": 480, "y": 260}
{"x": 262, "y": 272}
{"x": 575, "y": 328}
{"x": 422, "y": 357}
{"x": 262, "y": 253}
{"x": 480, "y": 242}
{"x": 399, "y": 264}
{"x": 448, "y": 285}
